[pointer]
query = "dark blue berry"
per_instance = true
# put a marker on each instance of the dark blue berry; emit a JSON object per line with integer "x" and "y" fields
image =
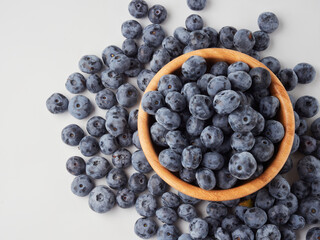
{"x": 140, "y": 163}
{"x": 130, "y": 48}
{"x": 134, "y": 69}
{"x": 309, "y": 169}
{"x": 288, "y": 78}
{"x": 76, "y": 83}
{"x": 200, "y": 106}
{"x": 76, "y": 165}
{"x": 82, "y": 185}
{"x": 230, "y": 223}
{"x": 305, "y": 72}
{"x": 194, "y": 22}
{"x": 198, "y": 228}
{"x": 238, "y": 66}
{"x": 212, "y": 137}
{"x": 133, "y": 119}
{"x": 146, "y": 205}
{"x": 309, "y": 208}
{"x": 244, "y": 40}
{"x": 189, "y": 90}
{"x": 145, "y": 228}
{"x": 80, "y": 107}
{"x": 182, "y": 34}
{"x": 90, "y": 64}
{"x": 152, "y": 101}
{"x": 176, "y": 101}
{"x": 278, "y": 214}
{"x": 119, "y": 63}
{"x": 131, "y": 29}
{"x": 300, "y": 189}
{"x": 307, "y": 106}
{"x": 187, "y": 199}
{"x": 167, "y": 215}
{"x": 198, "y": 40}
{"x": 158, "y": 134}
{"x": 187, "y": 212}
{"x": 243, "y": 232}
{"x": 108, "y": 144}
{"x": 97, "y": 167}
{"x": 138, "y": 182}
{"x": 269, "y": 106}
{"x": 216, "y": 210}
{"x": 272, "y": 63}
{"x": 160, "y": 58}
{"x": 307, "y": 144}
{"x": 168, "y": 232}
{"x": 105, "y": 99}
{"x": 169, "y": 83}
{"x": 117, "y": 178}
{"x": 296, "y": 222}
{"x": 177, "y": 141}
{"x": 72, "y": 135}
{"x": 213, "y": 160}
{"x": 274, "y": 130}
{"x": 243, "y": 119}
{"x": 145, "y": 53}
{"x": 187, "y": 175}
{"x": 168, "y": 119}
{"x": 242, "y": 165}
{"x": 109, "y": 52}
{"x": 268, "y": 22}
{"x": 127, "y": 95}
{"x": 144, "y": 78}
{"x": 102, "y": 199}
{"x": 138, "y": 8}
{"x": 226, "y": 101}
{"x": 170, "y": 200}
{"x": 121, "y": 158}
{"x": 156, "y": 185}
{"x": 261, "y": 78}
{"x": 205, "y": 178}
{"x": 242, "y": 141}
{"x": 313, "y": 233}
{"x": 279, "y": 188}
{"x": 240, "y": 80}
{"x": 173, "y": 46}
{"x": 268, "y": 231}
{"x": 57, "y": 103}
{"x": 194, "y": 67}
{"x": 226, "y": 36}
{"x": 153, "y": 35}
{"x": 125, "y": 198}
{"x": 112, "y": 79}
{"x": 196, "y": 5}
{"x": 255, "y": 217}
{"x": 224, "y": 179}
{"x": 136, "y": 140}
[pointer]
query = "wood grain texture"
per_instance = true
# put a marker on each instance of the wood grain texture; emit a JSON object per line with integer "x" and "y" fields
{"x": 286, "y": 116}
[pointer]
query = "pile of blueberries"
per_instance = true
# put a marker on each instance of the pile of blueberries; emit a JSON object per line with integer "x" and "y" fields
{"x": 216, "y": 126}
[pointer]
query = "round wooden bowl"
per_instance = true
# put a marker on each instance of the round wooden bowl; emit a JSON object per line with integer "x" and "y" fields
{"x": 285, "y": 116}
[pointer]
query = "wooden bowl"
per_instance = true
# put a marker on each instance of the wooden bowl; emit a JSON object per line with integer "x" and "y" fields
{"x": 286, "y": 117}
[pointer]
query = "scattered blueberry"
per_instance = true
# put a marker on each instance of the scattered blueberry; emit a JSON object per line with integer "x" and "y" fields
{"x": 138, "y": 8}
{"x": 268, "y": 22}
{"x": 72, "y": 135}
{"x": 57, "y": 103}
{"x": 82, "y": 185}
{"x": 97, "y": 167}
{"x": 90, "y": 64}
{"x": 145, "y": 228}
{"x": 102, "y": 199}
{"x": 76, "y": 165}
{"x": 80, "y": 107}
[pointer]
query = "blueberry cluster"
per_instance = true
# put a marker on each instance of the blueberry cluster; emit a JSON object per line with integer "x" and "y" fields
{"x": 216, "y": 126}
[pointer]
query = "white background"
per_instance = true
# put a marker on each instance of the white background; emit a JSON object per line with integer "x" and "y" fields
{"x": 40, "y": 45}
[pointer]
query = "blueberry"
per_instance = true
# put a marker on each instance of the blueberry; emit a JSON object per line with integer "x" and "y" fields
{"x": 313, "y": 233}
{"x": 82, "y": 185}
{"x": 158, "y": 134}
{"x": 212, "y": 137}
{"x": 230, "y": 223}
{"x": 105, "y": 99}
{"x": 119, "y": 63}
{"x": 272, "y": 63}
{"x": 216, "y": 210}
{"x": 175, "y": 101}
{"x": 156, "y": 185}
{"x": 261, "y": 78}
{"x": 222, "y": 234}
{"x": 189, "y": 90}
{"x": 268, "y": 231}
{"x": 309, "y": 169}
{"x": 157, "y": 14}
{"x": 125, "y": 139}
{"x": 307, "y": 106}
{"x": 268, "y": 22}
{"x": 287, "y": 233}
{"x": 278, "y": 214}
{"x": 196, "y": 5}
{"x": 259, "y": 94}
{"x": 239, "y": 211}
{"x": 136, "y": 140}
{"x": 145, "y": 228}
{"x": 262, "y": 40}
{"x": 226, "y": 101}
{"x": 296, "y": 222}
{"x": 134, "y": 69}
{"x": 187, "y": 199}
{"x": 219, "y": 69}
{"x": 185, "y": 236}
{"x": 315, "y": 128}
{"x": 305, "y": 72}
{"x": 213, "y": 225}
{"x": 226, "y": 36}
{"x": 194, "y": 67}
{"x": 288, "y": 78}
{"x": 279, "y": 188}
{"x": 144, "y": 79}
{"x": 243, "y": 119}
{"x": 198, "y": 228}
{"x": 269, "y": 106}
{"x": 76, "y": 83}
{"x": 130, "y": 48}
{"x": 238, "y": 66}
{"x": 307, "y": 144}
{"x": 187, "y": 175}
{"x": 200, "y": 106}
{"x": 160, "y": 58}
{"x": 187, "y": 212}
{"x": 80, "y": 107}
{"x": 213, "y": 36}
{"x": 296, "y": 120}
{"x": 109, "y": 52}
{"x": 309, "y": 208}
{"x": 116, "y": 125}
{"x": 57, "y": 103}
{"x": 173, "y": 46}
{"x": 194, "y": 22}
{"x": 242, "y": 165}
{"x": 170, "y": 200}
{"x": 138, "y": 182}
{"x": 118, "y": 111}
{"x": 287, "y": 166}
{"x": 177, "y": 141}
{"x": 242, "y": 141}
{"x": 127, "y": 95}
{"x": 198, "y": 40}
{"x": 145, "y": 53}
{"x": 153, "y": 35}
{"x": 146, "y": 205}
{"x": 116, "y": 178}
{"x": 138, "y": 8}
{"x": 72, "y": 135}
{"x": 76, "y": 165}
{"x": 244, "y": 40}
{"x": 300, "y": 189}
{"x": 94, "y": 83}
{"x": 102, "y": 199}
{"x": 90, "y": 64}
{"x": 203, "y": 81}
{"x": 131, "y": 29}
{"x": 213, "y": 160}
{"x": 221, "y": 121}
{"x": 255, "y": 217}
{"x": 243, "y": 232}
{"x": 182, "y": 35}
{"x": 315, "y": 188}
{"x": 139, "y": 162}
{"x": 168, "y": 119}
{"x": 112, "y": 79}
{"x": 133, "y": 119}
{"x": 224, "y": 179}
{"x": 97, "y": 167}
{"x": 240, "y": 80}
{"x": 168, "y": 232}
{"x": 296, "y": 143}
{"x": 121, "y": 158}
{"x": 125, "y": 198}
{"x": 152, "y": 101}
{"x": 108, "y": 144}
{"x": 205, "y": 178}
{"x": 303, "y": 127}
{"x": 169, "y": 83}
{"x": 167, "y": 215}
{"x": 274, "y": 131}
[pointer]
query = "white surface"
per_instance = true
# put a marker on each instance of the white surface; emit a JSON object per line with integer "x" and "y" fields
{"x": 41, "y": 43}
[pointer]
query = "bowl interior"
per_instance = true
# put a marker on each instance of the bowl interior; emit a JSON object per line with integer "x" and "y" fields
{"x": 286, "y": 117}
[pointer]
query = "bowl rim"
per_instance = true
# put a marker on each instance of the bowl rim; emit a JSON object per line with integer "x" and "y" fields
{"x": 286, "y": 117}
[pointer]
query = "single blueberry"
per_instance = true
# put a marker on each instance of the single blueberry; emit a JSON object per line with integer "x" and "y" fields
{"x": 145, "y": 53}
{"x": 76, "y": 165}
{"x": 108, "y": 144}
{"x": 187, "y": 212}
{"x": 243, "y": 232}
{"x": 72, "y": 135}
{"x": 90, "y": 64}
{"x": 119, "y": 63}
{"x": 274, "y": 130}
{"x": 158, "y": 134}
{"x": 152, "y": 101}
{"x": 116, "y": 125}
{"x": 307, "y": 106}
{"x": 213, "y": 160}
{"x": 80, "y": 107}
{"x": 305, "y": 72}
{"x": 268, "y": 22}
{"x": 189, "y": 90}
{"x": 97, "y": 167}
{"x": 134, "y": 69}
{"x": 169, "y": 83}
{"x": 309, "y": 208}
{"x": 309, "y": 169}
{"x": 288, "y": 78}
{"x": 198, "y": 228}
{"x": 125, "y": 198}
{"x": 196, "y": 5}
{"x": 279, "y": 188}
{"x": 198, "y": 39}
{"x": 105, "y": 99}
{"x": 82, "y": 185}
{"x": 261, "y": 78}
{"x": 144, "y": 78}
{"x": 140, "y": 163}
{"x": 157, "y": 14}
{"x": 194, "y": 22}
{"x": 278, "y": 214}
{"x": 272, "y": 63}
{"x": 194, "y": 67}
{"x": 212, "y": 137}
{"x": 57, "y": 103}
{"x": 109, "y": 52}
{"x": 130, "y": 48}
{"x": 138, "y": 8}
{"x": 94, "y": 83}
{"x": 170, "y": 200}
{"x": 146, "y": 205}
{"x": 153, "y": 35}
{"x": 226, "y": 101}
{"x": 177, "y": 141}
{"x": 242, "y": 165}
{"x": 102, "y": 199}
{"x": 240, "y": 80}
{"x": 224, "y": 179}
{"x": 167, "y": 215}
{"x": 217, "y": 210}
{"x": 131, "y": 29}
{"x": 201, "y": 107}
{"x": 176, "y": 101}
{"x": 138, "y": 182}
{"x": 182, "y": 34}
{"x": 127, "y": 95}
{"x": 121, "y": 158}
{"x": 168, "y": 232}
{"x": 242, "y": 141}
{"x": 269, "y": 106}
{"x": 168, "y": 119}
{"x": 244, "y": 40}
{"x": 145, "y": 228}
{"x": 156, "y": 185}
{"x": 136, "y": 140}
{"x": 159, "y": 58}
{"x": 226, "y": 36}
{"x": 268, "y": 231}
{"x": 173, "y": 46}
{"x": 76, "y": 83}
{"x": 112, "y": 79}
